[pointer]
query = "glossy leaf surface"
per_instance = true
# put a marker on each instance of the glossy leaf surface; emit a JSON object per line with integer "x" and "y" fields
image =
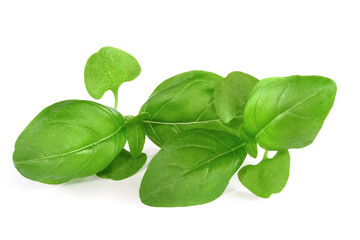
{"x": 288, "y": 112}
{"x": 192, "y": 168}
{"x": 67, "y": 140}
{"x": 123, "y": 166}
{"x": 108, "y": 69}
{"x": 232, "y": 93}
{"x": 183, "y": 102}
{"x": 267, "y": 177}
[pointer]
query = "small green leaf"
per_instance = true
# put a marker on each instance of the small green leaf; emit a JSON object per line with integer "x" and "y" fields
{"x": 192, "y": 168}
{"x": 231, "y": 94}
{"x": 135, "y": 135}
{"x": 251, "y": 148}
{"x": 251, "y": 144}
{"x": 288, "y": 112}
{"x": 267, "y": 177}
{"x": 107, "y": 70}
{"x": 135, "y": 132}
{"x": 243, "y": 133}
{"x": 123, "y": 166}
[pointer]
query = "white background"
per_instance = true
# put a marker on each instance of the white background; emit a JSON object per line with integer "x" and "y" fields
{"x": 43, "y": 49}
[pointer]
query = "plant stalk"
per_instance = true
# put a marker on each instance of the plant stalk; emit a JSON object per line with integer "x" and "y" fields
{"x": 116, "y": 96}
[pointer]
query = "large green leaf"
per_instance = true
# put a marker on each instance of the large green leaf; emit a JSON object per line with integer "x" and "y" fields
{"x": 192, "y": 168}
{"x": 288, "y": 112}
{"x": 268, "y": 177}
{"x": 67, "y": 140}
{"x": 123, "y": 166}
{"x": 107, "y": 70}
{"x": 183, "y": 102}
{"x": 232, "y": 93}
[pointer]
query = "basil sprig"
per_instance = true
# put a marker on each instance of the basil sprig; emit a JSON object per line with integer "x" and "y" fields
{"x": 205, "y": 125}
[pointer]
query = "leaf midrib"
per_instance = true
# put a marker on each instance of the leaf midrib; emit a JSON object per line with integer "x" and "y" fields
{"x": 71, "y": 152}
{"x": 187, "y": 123}
{"x": 176, "y": 96}
{"x": 286, "y": 111}
{"x": 197, "y": 167}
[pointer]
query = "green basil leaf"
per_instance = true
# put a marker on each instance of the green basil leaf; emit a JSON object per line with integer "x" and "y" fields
{"x": 251, "y": 148}
{"x": 187, "y": 77}
{"x": 183, "y": 102}
{"x": 288, "y": 112}
{"x": 123, "y": 166}
{"x": 135, "y": 132}
{"x": 251, "y": 145}
{"x": 135, "y": 135}
{"x": 192, "y": 168}
{"x": 267, "y": 177}
{"x": 69, "y": 139}
{"x": 107, "y": 70}
{"x": 243, "y": 132}
{"x": 232, "y": 93}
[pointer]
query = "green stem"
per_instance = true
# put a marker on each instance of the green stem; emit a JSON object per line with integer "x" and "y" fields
{"x": 116, "y": 95}
{"x": 266, "y": 154}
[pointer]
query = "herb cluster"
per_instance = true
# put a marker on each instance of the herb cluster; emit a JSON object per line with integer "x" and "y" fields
{"x": 205, "y": 125}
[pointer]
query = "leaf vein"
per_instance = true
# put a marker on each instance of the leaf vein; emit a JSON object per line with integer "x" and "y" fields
{"x": 171, "y": 99}
{"x": 286, "y": 111}
{"x": 197, "y": 167}
{"x": 206, "y": 108}
{"x": 73, "y": 151}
